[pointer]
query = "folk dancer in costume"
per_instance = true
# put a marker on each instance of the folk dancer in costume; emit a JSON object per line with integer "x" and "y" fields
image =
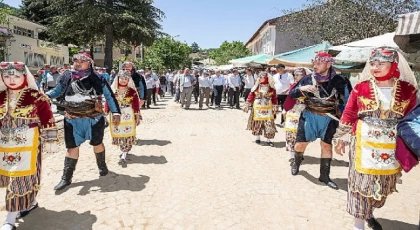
{"x": 138, "y": 80}
{"x": 124, "y": 134}
{"x": 386, "y": 93}
{"x": 324, "y": 91}
{"x": 293, "y": 108}
{"x": 84, "y": 115}
{"x": 263, "y": 100}
{"x": 26, "y": 122}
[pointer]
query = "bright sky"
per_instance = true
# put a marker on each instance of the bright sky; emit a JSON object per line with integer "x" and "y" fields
{"x": 209, "y": 23}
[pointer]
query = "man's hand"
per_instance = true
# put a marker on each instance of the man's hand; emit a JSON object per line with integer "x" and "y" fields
{"x": 308, "y": 88}
{"x": 285, "y": 91}
{"x": 340, "y": 148}
{"x": 116, "y": 119}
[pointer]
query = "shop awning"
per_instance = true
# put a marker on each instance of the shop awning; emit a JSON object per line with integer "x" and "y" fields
{"x": 407, "y": 35}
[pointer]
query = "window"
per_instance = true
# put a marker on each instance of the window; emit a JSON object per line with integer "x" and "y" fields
{"x": 23, "y": 32}
{"x": 123, "y": 51}
{"x": 97, "y": 49}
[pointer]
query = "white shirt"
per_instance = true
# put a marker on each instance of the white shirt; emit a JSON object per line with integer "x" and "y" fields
{"x": 149, "y": 82}
{"x": 249, "y": 81}
{"x": 282, "y": 82}
{"x": 218, "y": 80}
{"x": 204, "y": 82}
{"x": 170, "y": 78}
{"x": 234, "y": 81}
{"x": 187, "y": 82}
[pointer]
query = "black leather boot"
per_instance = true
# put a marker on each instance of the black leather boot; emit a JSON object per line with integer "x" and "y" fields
{"x": 325, "y": 173}
{"x": 374, "y": 224}
{"x": 100, "y": 161}
{"x": 69, "y": 167}
{"x": 296, "y": 163}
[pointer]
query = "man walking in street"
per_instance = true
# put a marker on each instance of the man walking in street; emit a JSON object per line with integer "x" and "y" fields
{"x": 249, "y": 82}
{"x": 186, "y": 84}
{"x": 218, "y": 81}
{"x": 324, "y": 90}
{"x": 282, "y": 80}
{"x": 205, "y": 86}
{"x": 234, "y": 82}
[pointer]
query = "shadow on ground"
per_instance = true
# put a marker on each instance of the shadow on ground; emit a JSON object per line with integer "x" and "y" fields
{"x": 152, "y": 142}
{"x": 134, "y": 159}
{"x": 397, "y": 225}
{"x": 52, "y": 220}
{"x": 110, "y": 183}
{"x": 342, "y": 183}
{"x": 310, "y": 160}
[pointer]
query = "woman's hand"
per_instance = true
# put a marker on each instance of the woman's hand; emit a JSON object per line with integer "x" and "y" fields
{"x": 340, "y": 148}
{"x": 137, "y": 118}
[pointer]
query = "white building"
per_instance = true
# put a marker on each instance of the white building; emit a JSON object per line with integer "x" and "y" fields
{"x": 24, "y": 45}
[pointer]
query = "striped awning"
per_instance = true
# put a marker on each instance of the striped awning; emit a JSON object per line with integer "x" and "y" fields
{"x": 407, "y": 35}
{"x": 408, "y": 24}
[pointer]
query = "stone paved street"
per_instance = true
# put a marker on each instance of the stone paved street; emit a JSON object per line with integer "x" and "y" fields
{"x": 201, "y": 170}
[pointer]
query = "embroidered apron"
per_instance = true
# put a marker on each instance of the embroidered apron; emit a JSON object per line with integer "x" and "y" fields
{"x": 375, "y": 147}
{"x": 127, "y": 126}
{"x": 19, "y": 150}
{"x": 263, "y": 109}
{"x": 292, "y": 118}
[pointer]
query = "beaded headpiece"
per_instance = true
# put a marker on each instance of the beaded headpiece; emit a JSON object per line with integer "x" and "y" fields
{"x": 384, "y": 54}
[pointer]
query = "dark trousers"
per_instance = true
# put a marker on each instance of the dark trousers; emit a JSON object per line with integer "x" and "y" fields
{"x": 217, "y": 91}
{"x": 234, "y": 97}
{"x": 246, "y": 93}
{"x": 149, "y": 94}
{"x": 196, "y": 92}
{"x": 172, "y": 88}
{"x": 225, "y": 92}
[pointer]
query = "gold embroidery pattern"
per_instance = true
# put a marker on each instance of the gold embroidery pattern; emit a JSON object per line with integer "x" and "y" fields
{"x": 368, "y": 104}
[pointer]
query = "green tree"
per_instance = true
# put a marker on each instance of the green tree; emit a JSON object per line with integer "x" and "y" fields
{"x": 4, "y": 11}
{"x": 228, "y": 51}
{"x": 85, "y": 22}
{"x": 342, "y": 21}
{"x": 195, "y": 48}
{"x": 36, "y": 11}
{"x": 167, "y": 53}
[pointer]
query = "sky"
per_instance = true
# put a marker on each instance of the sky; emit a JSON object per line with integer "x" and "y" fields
{"x": 209, "y": 23}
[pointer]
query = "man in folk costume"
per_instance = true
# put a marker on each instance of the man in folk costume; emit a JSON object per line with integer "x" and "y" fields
{"x": 124, "y": 134}
{"x": 84, "y": 115}
{"x": 263, "y": 100}
{"x": 324, "y": 91}
{"x": 26, "y": 122}
{"x": 386, "y": 94}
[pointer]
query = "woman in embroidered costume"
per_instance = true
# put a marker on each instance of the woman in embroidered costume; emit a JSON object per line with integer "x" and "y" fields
{"x": 293, "y": 108}
{"x": 386, "y": 93}
{"x": 124, "y": 134}
{"x": 263, "y": 99}
{"x": 26, "y": 122}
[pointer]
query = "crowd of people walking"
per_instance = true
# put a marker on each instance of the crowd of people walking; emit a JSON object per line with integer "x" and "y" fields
{"x": 375, "y": 119}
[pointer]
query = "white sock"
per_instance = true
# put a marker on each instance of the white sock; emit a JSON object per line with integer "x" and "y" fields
{"x": 257, "y": 138}
{"x": 359, "y": 224}
{"x": 268, "y": 140}
{"x": 11, "y": 219}
{"x": 124, "y": 155}
{"x": 292, "y": 154}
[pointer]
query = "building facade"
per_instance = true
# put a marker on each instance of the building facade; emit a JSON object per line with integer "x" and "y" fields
{"x": 99, "y": 54}
{"x": 24, "y": 45}
{"x": 271, "y": 39}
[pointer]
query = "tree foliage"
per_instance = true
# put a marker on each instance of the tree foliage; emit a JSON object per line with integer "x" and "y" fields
{"x": 86, "y": 22}
{"x": 167, "y": 53}
{"x": 342, "y": 21}
{"x": 195, "y": 48}
{"x": 228, "y": 51}
{"x": 36, "y": 11}
{"x": 4, "y": 11}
